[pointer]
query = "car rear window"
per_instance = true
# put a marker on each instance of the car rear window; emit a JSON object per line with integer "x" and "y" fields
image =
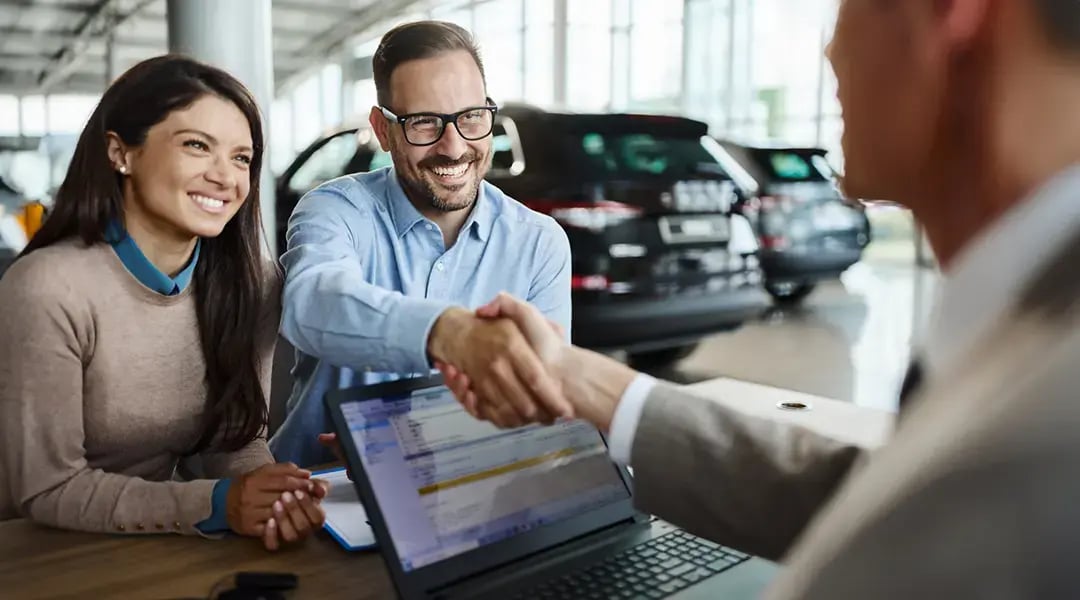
{"x": 644, "y": 154}
{"x": 791, "y": 165}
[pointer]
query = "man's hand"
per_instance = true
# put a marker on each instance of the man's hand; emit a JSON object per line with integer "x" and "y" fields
{"x": 592, "y": 383}
{"x": 501, "y": 365}
{"x": 329, "y": 440}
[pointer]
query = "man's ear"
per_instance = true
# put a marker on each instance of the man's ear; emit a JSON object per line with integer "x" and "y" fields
{"x": 381, "y": 127}
{"x": 117, "y": 152}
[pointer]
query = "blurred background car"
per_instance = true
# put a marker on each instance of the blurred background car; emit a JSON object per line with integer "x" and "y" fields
{"x": 660, "y": 260}
{"x": 808, "y": 230}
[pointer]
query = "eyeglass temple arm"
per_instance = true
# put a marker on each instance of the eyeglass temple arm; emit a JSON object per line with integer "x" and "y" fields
{"x": 389, "y": 115}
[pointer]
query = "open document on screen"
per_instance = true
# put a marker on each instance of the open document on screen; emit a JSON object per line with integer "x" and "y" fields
{"x": 447, "y": 483}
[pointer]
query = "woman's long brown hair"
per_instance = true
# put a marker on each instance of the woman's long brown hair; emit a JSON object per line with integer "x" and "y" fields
{"x": 230, "y": 279}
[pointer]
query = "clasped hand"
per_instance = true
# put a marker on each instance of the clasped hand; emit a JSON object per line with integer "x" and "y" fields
{"x": 508, "y": 365}
{"x": 524, "y": 371}
{"x": 277, "y": 503}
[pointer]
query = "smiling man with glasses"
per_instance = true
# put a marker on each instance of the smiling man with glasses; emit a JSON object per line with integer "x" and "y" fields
{"x": 382, "y": 268}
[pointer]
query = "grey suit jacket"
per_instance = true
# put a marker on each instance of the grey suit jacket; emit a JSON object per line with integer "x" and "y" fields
{"x": 976, "y": 495}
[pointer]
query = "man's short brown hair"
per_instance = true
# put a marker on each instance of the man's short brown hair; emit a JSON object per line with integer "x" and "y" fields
{"x": 414, "y": 41}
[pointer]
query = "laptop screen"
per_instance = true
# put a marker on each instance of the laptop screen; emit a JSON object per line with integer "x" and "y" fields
{"x": 447, "y": 483}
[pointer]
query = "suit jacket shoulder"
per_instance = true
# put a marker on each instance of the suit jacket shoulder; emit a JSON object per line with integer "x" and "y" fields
{"x": 974, "y": 496}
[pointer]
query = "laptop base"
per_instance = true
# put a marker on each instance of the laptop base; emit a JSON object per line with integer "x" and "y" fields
{"x": 569, "y": 570}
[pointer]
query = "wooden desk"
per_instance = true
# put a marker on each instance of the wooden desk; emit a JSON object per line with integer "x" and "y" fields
{"x": 37, "y": 562}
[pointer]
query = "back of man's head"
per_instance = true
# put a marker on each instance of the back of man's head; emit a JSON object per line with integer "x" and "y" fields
{"x": 414, "y": 41}
{"x": 1062, "y": 19}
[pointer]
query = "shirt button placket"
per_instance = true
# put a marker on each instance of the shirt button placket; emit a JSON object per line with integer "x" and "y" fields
{"x": 437, "y": 286}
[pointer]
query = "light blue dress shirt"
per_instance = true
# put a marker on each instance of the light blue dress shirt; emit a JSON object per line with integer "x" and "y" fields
{"x": 153, "y": 278}
{"x": 367, "y": 276}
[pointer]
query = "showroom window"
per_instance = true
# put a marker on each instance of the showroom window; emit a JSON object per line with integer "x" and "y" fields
{"x": 540, "y": 52}
{"x": 281, "y": 138}
{"x": 498, "y": 32}
{"x": 307, "y": 124}
{"x": 9, "y": 107}
{"x": 33, "y": 115}
{"x": 656, "y": 55}
{"x": 588, "y": 65}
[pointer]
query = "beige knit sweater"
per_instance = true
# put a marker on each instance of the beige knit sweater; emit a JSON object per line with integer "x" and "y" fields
{"x": 101, "y": 389}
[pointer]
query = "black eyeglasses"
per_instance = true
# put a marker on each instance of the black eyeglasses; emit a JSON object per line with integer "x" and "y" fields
{"x": 426, "y": 128}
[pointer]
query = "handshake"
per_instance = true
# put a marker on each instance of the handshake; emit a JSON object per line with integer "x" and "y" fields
{"x": 509, "y": 365}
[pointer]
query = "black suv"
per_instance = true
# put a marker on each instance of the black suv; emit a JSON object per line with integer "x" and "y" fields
{"x": 659, "y": 261}
{"x": 808, "y": 231}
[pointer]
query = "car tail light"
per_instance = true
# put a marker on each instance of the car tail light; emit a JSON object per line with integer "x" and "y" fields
{"x": 784, "y": 204}
{"x": 588, "y": 282}
{"x": 775, "y": 242}
{"x": 593, "y": 216}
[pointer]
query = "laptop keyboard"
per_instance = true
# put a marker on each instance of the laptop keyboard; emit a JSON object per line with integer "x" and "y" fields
{"x": 655, "y": 569}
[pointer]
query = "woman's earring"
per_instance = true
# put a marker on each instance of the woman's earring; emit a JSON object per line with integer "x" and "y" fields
{"x": 123, "y": 170}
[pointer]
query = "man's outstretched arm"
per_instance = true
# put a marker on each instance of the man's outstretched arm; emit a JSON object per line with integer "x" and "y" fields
{"x": 332, "y": 312}
{"x": 713, "y": 467}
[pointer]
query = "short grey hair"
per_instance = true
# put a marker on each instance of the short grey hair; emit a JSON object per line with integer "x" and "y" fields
{"x": 1062, "y": 19}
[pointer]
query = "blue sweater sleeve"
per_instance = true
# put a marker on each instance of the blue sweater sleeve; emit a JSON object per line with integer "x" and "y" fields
{"x": 218, "y": 521}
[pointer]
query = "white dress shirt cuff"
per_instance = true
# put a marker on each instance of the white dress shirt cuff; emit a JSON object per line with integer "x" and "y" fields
{"x": 624, "y": 422}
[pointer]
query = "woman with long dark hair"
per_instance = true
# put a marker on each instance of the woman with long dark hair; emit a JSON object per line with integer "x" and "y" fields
{"x": 137, "y": 327}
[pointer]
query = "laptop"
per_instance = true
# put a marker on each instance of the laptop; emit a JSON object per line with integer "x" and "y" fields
{"x": 462, "y": 509}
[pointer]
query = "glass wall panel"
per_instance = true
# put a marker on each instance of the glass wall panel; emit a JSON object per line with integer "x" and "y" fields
{"x": 589, "y": 62}
{"x": 33, "y": 115}
{"x": 69, "y": 113}
{"x": 656, "y": 55}
{"x": 9, "y": 115}
{"x": 499, "y": 29}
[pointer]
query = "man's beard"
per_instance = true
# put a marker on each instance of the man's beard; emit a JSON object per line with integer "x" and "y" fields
{"x": 421, "y": 189}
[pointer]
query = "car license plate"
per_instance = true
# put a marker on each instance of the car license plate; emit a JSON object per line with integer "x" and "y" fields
{"x": 832, "y": 217}
{"x": 691, "y": 229}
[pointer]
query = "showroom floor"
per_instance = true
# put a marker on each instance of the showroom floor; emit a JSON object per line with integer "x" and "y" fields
{"x": 850, "y": 341}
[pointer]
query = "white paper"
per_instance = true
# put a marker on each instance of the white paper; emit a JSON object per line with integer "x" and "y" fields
{"x": 346, "y": 519}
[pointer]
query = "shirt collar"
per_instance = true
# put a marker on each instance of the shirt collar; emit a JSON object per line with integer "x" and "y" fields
{"x": 142, "y": 269}
{"x": 994, "y": 270}
{"x": 480, "y": 220}
{"x": 405, "y": 216}
{"x": 402, "y": 211}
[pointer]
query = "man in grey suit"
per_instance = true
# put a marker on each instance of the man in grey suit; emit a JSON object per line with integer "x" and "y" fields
{"x": 967, "y": 112}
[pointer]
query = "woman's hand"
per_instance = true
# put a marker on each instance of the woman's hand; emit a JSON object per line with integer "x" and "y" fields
{"x": 249, "y": 504}
{"x": 296, "y": 515}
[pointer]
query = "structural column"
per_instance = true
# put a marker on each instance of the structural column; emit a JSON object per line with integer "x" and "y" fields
{"x": 234, "y": 36}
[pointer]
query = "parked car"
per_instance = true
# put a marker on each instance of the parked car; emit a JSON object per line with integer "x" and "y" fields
{"x": 808, "y": 231}
{"x": 659, "y": 260}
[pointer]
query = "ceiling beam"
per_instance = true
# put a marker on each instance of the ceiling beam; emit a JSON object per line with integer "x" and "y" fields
{"x": 61, "y": 9}
{"x": 25, "y": 84}
{"x": 98, "y": 22}
{"x": 49, "y": 39}
{"x": 310, "y": 7}
{"x": 329, "y": 42}
{"x": 24, "y": 62}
